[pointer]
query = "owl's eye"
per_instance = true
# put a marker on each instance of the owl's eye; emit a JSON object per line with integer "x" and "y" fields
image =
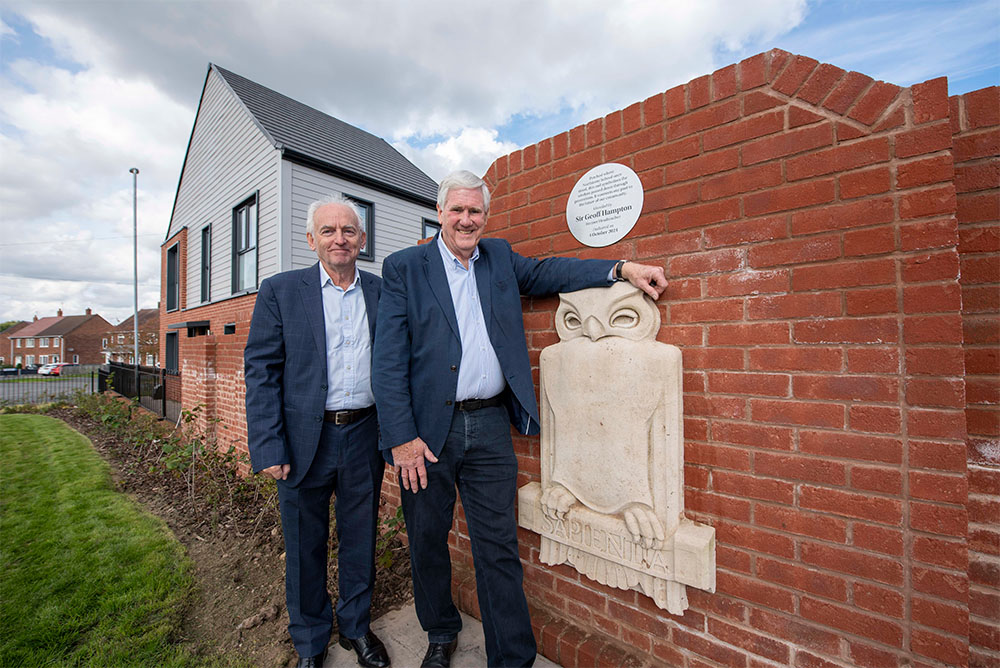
{"x": 571, "y": 320}
{"x": 624, "y": 318}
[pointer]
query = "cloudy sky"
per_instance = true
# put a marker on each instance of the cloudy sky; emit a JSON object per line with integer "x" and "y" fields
{"x": 91, "y": 88}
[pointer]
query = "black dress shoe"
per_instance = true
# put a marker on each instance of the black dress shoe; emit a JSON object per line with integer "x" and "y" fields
{"x": 370, "y": 650}
{"x": 312, "y": 661}
{"x": 439, "y": 654}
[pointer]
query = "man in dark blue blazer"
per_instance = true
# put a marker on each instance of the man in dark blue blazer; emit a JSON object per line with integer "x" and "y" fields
{"x": 311, "y": 425}
{"x": 451, "y": 374}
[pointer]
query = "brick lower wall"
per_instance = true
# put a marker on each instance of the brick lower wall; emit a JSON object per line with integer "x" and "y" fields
{"x": 975, "y": 119}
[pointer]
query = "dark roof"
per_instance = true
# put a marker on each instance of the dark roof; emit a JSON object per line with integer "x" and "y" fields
{"x": 54, "y": 325}
{"x": 146, "y": 316}
{"x": 310, "y": 135}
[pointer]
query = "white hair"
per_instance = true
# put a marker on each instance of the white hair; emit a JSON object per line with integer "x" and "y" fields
{"x": 462, "y": 179}
{"x": 331, "y": 199}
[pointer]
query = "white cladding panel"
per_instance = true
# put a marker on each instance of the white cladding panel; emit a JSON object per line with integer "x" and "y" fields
{"x": 229, "y": 160}
{"x": 397, "y": 222}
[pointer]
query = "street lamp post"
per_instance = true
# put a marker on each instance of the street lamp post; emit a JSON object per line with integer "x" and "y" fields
{"x": 134, "y": 171}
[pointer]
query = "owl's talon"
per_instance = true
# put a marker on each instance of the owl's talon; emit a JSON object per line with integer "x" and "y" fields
{"x": 644, "y": 526}
{"x": 556, "y": 501}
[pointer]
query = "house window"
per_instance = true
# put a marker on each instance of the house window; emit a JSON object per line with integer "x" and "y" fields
{"x": 121, "y": 338}
{"x": 150, "y": 361}
{"x": 43, "y": 342}
{"x": 29, "y": 343}
{"x": 76, "y": 359}
{"x": 173, "y": 278}
{"x": 206, "y": 263}
{"x": 367, "y": 211}
{"x": 30, "y": 359}
{"x": 43, "y": 359}
{"x": 104, "y": 343}
{"x": 18, "y": 343}
{"x": 172, "y": 361}
{"x": 54, "y": 359}
{"x": 245, "y": 245}
{"x": 428, "y": 228}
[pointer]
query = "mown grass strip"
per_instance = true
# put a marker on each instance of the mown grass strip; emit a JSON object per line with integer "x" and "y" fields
{"x": 86, "y": 578}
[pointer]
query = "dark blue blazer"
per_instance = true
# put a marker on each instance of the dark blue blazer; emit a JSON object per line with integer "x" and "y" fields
{"x": 417, "y": 347}
{"x": 285, "y": 368}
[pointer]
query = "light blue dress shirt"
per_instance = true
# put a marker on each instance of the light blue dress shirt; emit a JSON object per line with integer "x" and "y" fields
{"x": 348, "y": 345}
{"x": 479, "y": 374}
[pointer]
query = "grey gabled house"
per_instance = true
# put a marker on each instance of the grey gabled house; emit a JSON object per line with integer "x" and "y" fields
{"x": 255, "y": 161}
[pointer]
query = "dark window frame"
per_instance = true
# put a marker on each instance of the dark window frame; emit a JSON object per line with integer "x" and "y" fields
{"x": 368, "y": 251}
{"x": 173, "y": 352}
{"x": 173, "y": 292}
{"x": 237, "y": 251}
{"x": 206, "y": 263}
{"x": 428, "y": 224}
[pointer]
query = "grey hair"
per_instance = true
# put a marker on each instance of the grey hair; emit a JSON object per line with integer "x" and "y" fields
{"x": 331, "y": 199}
{"x": 462, "y": 179}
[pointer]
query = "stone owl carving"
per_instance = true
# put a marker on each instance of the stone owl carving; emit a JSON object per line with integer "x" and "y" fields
{"x": 612, "y": 434}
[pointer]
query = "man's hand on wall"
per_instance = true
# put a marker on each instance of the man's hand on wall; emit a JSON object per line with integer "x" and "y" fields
{"x": 648, "y": 278}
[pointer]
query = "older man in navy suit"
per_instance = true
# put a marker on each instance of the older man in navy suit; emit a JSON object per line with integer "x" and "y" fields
{"x": 451, "y": 374}
{"x": 311, "y": 425}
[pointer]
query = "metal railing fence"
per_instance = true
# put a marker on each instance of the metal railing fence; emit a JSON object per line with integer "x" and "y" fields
{"x": 157, "y": 390}
{"x": 30, "y": 388}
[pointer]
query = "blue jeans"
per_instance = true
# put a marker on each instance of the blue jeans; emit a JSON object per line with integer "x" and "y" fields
{"x": 477, "y": 458}
{"x": 347, "y": 463}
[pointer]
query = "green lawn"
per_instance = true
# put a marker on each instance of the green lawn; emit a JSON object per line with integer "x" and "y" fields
{"x": 86, "y": 577}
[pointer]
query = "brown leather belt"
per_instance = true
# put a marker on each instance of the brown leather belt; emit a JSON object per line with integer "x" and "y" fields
{"x": 476, "y": 404}
{"x": 347, "y": 417}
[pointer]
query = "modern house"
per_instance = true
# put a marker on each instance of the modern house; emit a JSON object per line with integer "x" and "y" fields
{"x": 117, "y": 343}
{"x": 59, "y": 338}
{"x": 255, "y": 161}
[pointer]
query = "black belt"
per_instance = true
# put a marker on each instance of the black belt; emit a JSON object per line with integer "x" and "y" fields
{"x": 347, "y": 417}
{"x": 476, "y": 404}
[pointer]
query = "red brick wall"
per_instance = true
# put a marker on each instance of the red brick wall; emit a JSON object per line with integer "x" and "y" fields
{"x": 85, "y": 341}
{"x": 975, "y": 120}
{"x": 806, "y": 218}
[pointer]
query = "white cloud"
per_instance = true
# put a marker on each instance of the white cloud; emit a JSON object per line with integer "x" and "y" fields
{"x": 473, "y": 149}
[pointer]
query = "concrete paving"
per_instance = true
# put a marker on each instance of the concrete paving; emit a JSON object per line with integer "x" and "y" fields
{"x": 407, "y": 642}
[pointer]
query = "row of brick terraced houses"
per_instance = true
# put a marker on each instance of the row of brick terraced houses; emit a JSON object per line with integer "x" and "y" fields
{"x": 79, "y": 339}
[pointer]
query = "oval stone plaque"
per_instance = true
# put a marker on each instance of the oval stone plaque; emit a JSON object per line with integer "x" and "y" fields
{"x": 604, "y": 205}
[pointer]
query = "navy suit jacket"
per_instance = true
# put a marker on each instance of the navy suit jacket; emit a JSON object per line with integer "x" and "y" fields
{"x": 417, "y": 348}
{"x": 285, "y": 368}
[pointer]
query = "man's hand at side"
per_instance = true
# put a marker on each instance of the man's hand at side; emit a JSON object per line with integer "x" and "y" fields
{"x": 408, "y": 460}
{"x": 648, "y": 278}
{"x": 278, "y": 471}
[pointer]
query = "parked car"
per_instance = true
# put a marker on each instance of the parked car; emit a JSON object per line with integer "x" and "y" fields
{"x": 46, "y": 369}
{"x": 62, "y": 368}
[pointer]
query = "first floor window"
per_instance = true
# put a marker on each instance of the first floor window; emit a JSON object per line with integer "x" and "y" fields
{"x": 173, "y": 278}
{"x": 43, "y": 359}
{"x": 29, "y": 360}
{"x": 428, "y": 228}
{"x": 367, "y": 212}
{"x": 206, "y": 263}
{"x": 245, "y": 245}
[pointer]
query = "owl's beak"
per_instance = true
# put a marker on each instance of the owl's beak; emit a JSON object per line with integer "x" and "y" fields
{"x": 593, "y": 328}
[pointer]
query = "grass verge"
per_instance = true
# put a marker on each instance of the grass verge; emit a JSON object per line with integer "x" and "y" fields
{"x": 88, "y": 579}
